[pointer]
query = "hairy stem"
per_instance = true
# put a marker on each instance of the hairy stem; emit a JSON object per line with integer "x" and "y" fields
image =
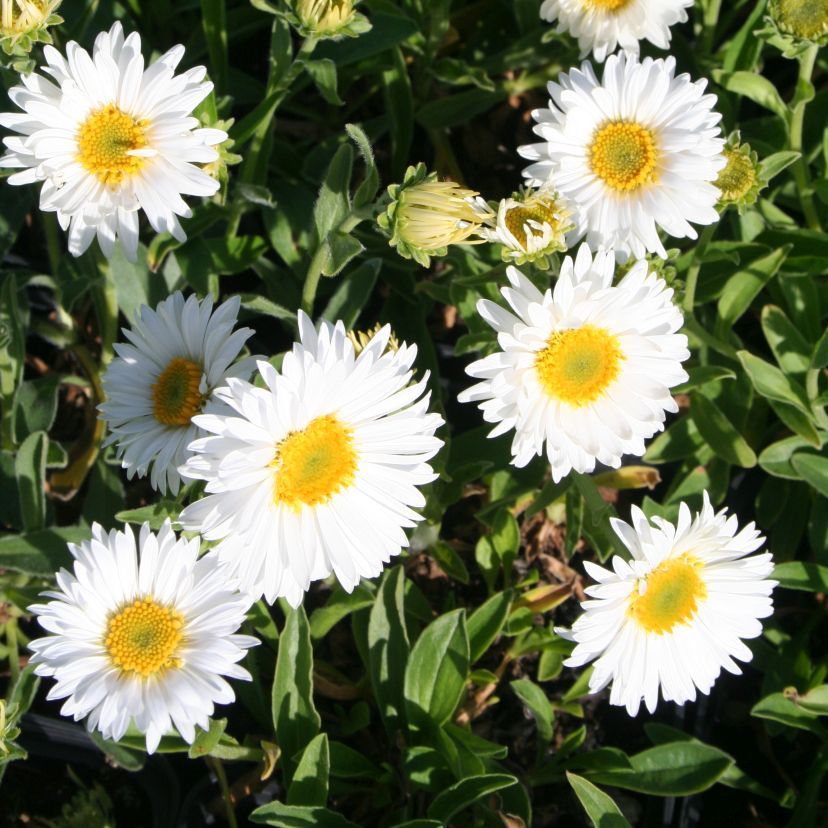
{"x": 801, "y": 173}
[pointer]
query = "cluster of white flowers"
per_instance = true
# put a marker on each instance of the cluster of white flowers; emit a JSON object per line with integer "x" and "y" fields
{"x": 317, "y": 468}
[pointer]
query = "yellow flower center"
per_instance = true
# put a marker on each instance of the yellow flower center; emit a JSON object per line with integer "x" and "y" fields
{"x": 802, "y": 18}
{"x": 674, "y": 590}
{"x": 176, "y": 398}
{"x": 105, "y": 140}
{"x": 577, "y": 366}
{"x": 611, "y": 6}
{"x": 314, "y": 464}
{"x": 541, "y": 212}
{"x": 623, "y": 155}
{"x": 143, "y": 637}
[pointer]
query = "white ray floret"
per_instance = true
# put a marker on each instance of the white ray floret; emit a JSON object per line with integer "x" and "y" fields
{"x": 319, "y": 471}
{"x": 108, "y": 138}
{"x": 586, "y": 368}
{"x": 176, "y": 356}
{"x": 141, "y": 636}
{"x": 637, "y": 150}
{"x": 601, "y": 26}
{"x": 674, "y": 615}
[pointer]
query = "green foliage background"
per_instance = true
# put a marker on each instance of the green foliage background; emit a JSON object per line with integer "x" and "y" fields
{"x": 435, "y": 695}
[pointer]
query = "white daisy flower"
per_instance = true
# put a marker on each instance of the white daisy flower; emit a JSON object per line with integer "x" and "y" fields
{"x": 586, "y": 368}
{"x": 179, "y": 353}
{"x": 602, "y": 25}
{"x": 638, "y": 149}
{"x": 317, "y": 472}
{"x": 107, "y": 138}
{"x": 676, "y": 614}
{"x": 141, "y": 636}
{"x": 530, "y": 226}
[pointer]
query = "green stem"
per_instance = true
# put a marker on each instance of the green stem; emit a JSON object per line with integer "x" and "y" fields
{"x": 106, "y": 308}
{"x": 709, "y": 22}
{"x": 218, "y": 767}
{"x": 278, "y": 86}
{"x": 801, "y": 173}
{"x": 695, "y": 266}
{"x": 14, "y": 652}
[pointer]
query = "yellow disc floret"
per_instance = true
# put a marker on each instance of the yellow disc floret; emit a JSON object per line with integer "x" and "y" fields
{"x": 578, "y": 365}
{"x": 623, "y": 155}
{"x": 807, "y": 19}
{"x": 737, "y": 177}
{"x": 176, "y": 397}
{"x": 542, "y": 212}
{"x": 105, "y": 139}
{"x": 671, "y": 595}
{"x": 314, "y": 464}
{"x": 612, "y": 6}
{"x": 143, "y": 637}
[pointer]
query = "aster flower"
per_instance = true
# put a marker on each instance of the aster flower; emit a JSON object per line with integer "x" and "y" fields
{"x": 425, "y": 216}
{"x": 23, "y": 23}
{"x": 602, "y": 25}
{"x": 674, "y": 615}
{"x": 530, "y": 226}
{"x": 639, "y": 149}
{"x": 319, "y": 471}
{"x": 329, "y": 18}
{"x": 586, "y": 368}
{"x": 141, "y": 635}
{"x": 109, "y": 138}
{"x": 177, "y": 355}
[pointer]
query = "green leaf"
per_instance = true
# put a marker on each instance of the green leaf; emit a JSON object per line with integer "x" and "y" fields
{"x": 336, "y": 250}
{"x": 486, "y": 622}
{"x": 30, "y": 471}
{"x": 127, "y": 758}
{"x": 297, "y": 816}
{"x": 808, "y": 577}
{"x": 35, "y": 405}
{"x": 599, "y": 806}
{"x": 295, "y": 719}
{"x": 155, "y": 515}
{"x": 465, "y": 793}
{"x": 333, "y": 203}
{"x": 323, "y": 74}
{"x": 719, "y": 434}
{"x": 437, "y": 671}
{"x": 675, "y": 769}
{"x": 771, "y": 165}
{"x": 353, "y": 293}
{"x": 770, "y": 382}
{"x": 758, "y": 88}
{"x": 310, "y": 782}
{"x": 789, "y": 347}
{"x": 815, "y": 700}
{"x": 813, "y": 469}
{"x": 214, "y": 22}
{"x": 506, "y": 540}
{"x": 347, "y": 763}
{"x": 680, "y": 440}
{"x": 775, "y": 459}
{"x": 339, "y": 606}
{"x": 388, "y": 647}
{"x": 539, "y": 706}
{"x": 450, "y": 562}
{"x": 777, "y": 707}
{"x": 40, "y": 553}
{"x": 744, "y": 286}
{"x": 701, "y": 374}
{"x": 367, "y": 190}
{"x": 206, "y": 740}
{"x": 399, "y": 105}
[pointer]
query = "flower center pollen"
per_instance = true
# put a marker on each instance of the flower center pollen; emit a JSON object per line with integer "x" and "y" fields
{"x": 577, "y": 366}
{"x": 802, "y": 18}
{"x": 611, "y": 6}
{"x": 672, "y": 594}
{"x": 176, "y": 397}
{"x": 737, "y": 177}
{"x": 517, "y": 217}
{"x": 143, "y": 637}
{"x": 623, "y": 155}
{"x": 105, "y": 140}
{"x": 314, "y": 464}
